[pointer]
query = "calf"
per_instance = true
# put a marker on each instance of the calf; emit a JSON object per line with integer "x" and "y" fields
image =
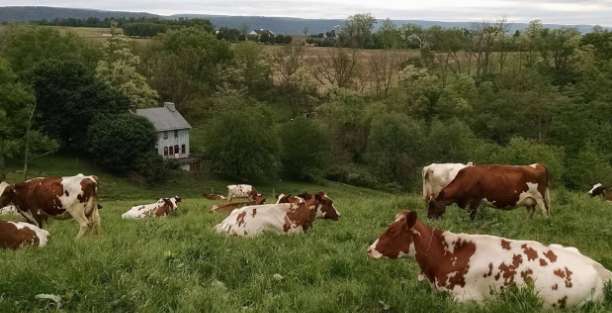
{"x": 437, "y": 175}
{"x": 474, "y": 267}
{"x": 282, "y": 218}
{"x": 241, "y": 191}
{"x": 325, "y": 210}
{"x": 14, "y": 235}
{"x": 228, "y": 207}
{"x": 601, "y": 190}
{"x": 500, "y": 186}
{"x": 38, "y": 198}
{"x": 163, "y": 207}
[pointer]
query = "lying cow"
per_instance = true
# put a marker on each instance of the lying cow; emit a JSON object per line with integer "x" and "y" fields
{"x": 601, "y": 190}
{"x": 474, "y": 267}
{"x": 437, "y": 175}
{"x": 14, "y": 235}
{"x": 500, "y": 186}
{"x": 214, "y": 196}
{"x": 241, "y": 191}
{"x": 282, "y": 218}
{"x": 228, "y": 207}
{"x": 59, "y": 197}
{"x": 324, "y": 210}
{"x": 163, "y": 207}
{"x": 9, "y": 210}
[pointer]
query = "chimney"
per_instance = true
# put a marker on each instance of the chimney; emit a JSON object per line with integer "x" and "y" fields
{"x": 170, "y": 106}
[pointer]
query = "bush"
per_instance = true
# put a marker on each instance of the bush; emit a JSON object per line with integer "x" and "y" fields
{"x": 304, "y": 150}
{"x": 119, "y": 142}
{"x": 395, "y": 147}
{"x": 451, "y": 141}
{"x": 522, "y": 151}
{"x": 152, "y": 167}
{"x": 352, "y": 175}
{"x": 587, "y": 168}
{"x": 241, "y": 144}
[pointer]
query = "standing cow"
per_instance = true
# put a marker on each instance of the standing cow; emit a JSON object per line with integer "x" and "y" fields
{"x": 38, "y": 198}
{"x": 473, "y": 267}
{"x": 241, "y": 191}
{"x": 500, "y": 186}
{"x": 437, "y": 175}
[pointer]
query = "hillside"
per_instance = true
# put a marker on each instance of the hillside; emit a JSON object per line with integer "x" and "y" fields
{"x": 284, "y": 25}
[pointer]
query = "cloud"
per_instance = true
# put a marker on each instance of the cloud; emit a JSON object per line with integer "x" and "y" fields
{"x": 549, "y": 11}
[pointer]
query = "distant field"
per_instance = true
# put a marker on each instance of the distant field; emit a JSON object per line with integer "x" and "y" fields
{"x": 180, "y": 265}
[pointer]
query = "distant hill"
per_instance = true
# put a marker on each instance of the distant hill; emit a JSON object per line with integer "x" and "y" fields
{"x": 282, "y": 25}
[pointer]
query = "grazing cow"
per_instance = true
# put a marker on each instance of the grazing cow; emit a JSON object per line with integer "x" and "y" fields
{"x": 326, "y": 211}
{"x": 163, "y": 207}
{"x": 228, "y": 207}
{"x": 601, "y": 190}
{"x": 214, "y": 196}
{"x": 241, "y": 191}
{"x": 500, "y": 186}
{"x": 282, "y": 218}
{"x": 437, "y": 175}
{"x": 59, "y": 197}
{"x": 475, "y": 267}
{"x": 14, "y": 235}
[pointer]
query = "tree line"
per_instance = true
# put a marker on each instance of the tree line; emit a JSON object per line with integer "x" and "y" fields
{"x": 367, "y": 119}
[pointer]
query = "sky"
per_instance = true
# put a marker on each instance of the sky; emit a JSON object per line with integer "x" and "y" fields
{"x": 589, "y": 12}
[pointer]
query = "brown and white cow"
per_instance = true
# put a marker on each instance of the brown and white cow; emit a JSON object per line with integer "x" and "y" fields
{"x": 163, "y": 207}
{"x": 602, "y": 191}
{"x": 60, "y": 197}
{"x": 475, "y": 267}
{"x": 241, "y": 191}
{"x": 437, "y": 175}
{"x": 324, "y": 210}
{"x": 282, "y": 218}
{"x": 228, "y": 207}
{"x": 14, "y": 235}
{"x": 500, "y": 186}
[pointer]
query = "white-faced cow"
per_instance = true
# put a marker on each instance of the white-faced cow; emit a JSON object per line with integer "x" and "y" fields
{"x": 437, "y": 175}
{"x": 282, "y": 218}
{"x": 241, "y": 191}
{"x": 476, "y": 267}
{"x": 602, "y": 191}
{"x": 325, "y": 210}
{"x": 60, "y": 197}
{"x": 500, "y": 186}
{"x": 230, "y": 206}
{"x": 163, "y": 207}
{"x": 14, "y": 235}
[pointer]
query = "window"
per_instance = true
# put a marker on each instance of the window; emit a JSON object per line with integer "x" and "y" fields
{"x": 171, "y": 151}
{"x": 176, "y": 149}
{"x": 165, "y": 135}
{"x": 166, "y": 151}
{"x": 183, "y": 149}
{"x": 176, "y": 134}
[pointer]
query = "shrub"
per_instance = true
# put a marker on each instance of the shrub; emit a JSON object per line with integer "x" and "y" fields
{"x": 520, "y": 151}
{"x": 119, "y": 142}
{"x": 395, "y": 147}
{"x": 304, "y": 149}
{"x": 587, "y": 168}
{"x": 451, "y": 141}
{"x": 241, "y": 144}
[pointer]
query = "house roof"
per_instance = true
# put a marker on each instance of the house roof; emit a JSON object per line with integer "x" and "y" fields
{"x": 164, "y": 118}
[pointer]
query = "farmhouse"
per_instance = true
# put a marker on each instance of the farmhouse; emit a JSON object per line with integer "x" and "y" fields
{"x": 172, "y": 133}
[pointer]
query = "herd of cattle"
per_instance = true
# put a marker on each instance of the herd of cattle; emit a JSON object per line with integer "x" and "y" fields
{"x": 470, "y": 267}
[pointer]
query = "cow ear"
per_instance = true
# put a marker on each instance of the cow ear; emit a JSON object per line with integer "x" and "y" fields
{"x": 411, "y": 218}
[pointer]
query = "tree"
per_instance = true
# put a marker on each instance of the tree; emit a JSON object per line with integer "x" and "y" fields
{"x": 253, "y": 71}
{"x": 68, "y": 96}
{"x": 357, "y": 31}
{"x": 241, "y": 143}
{"x": 117, "y": 141}
{"x": 118, "y": 68}
{"x": 304, "y": 148}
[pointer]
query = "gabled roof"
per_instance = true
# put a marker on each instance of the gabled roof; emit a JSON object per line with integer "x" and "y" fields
{"x": 164, "y": 118}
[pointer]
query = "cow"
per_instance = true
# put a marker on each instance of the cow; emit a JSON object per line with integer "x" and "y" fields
{"x": 61, "y": 197}
{"x": 163, "y": 207}
{"x": 228, "y": 207}
{"x": 323, "y": 211}
{"x": 9, "y": 210}
{"x": 472, "y": 267}
{"x": 282, "y": 218}
{"x": 499, "y": 186}
{"x": 437, "y": 175}
{"x": 241, "y": 191}
{"x": 601, "y": 190}
{"x": 14, "y": 235}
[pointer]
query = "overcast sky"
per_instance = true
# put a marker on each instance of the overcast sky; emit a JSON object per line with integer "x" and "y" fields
{"x": 549, "y": 11}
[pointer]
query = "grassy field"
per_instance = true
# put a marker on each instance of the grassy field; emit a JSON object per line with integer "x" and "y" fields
{"x": 179, "y": 264}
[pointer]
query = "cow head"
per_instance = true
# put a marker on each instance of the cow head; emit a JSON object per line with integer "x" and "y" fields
{"x": 288, "y": 198}
{"x": 436, "y": 208}
{"x": 259, "y": 199}
{"x": 177, "y": 199}
{"x": 326, "y": 208}
{"x": 397, "y": 241}
{"x": 598, "y": 189}
{"x": 7, "y": 194}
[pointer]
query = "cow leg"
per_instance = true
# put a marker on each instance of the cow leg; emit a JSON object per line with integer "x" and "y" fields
{"x": 78, "y": 213}
{"x": 30, "y": 218}
{"x": 95, "y": 217}
{"x": 473, "y": 208}
{"x": 531, "y": 210}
